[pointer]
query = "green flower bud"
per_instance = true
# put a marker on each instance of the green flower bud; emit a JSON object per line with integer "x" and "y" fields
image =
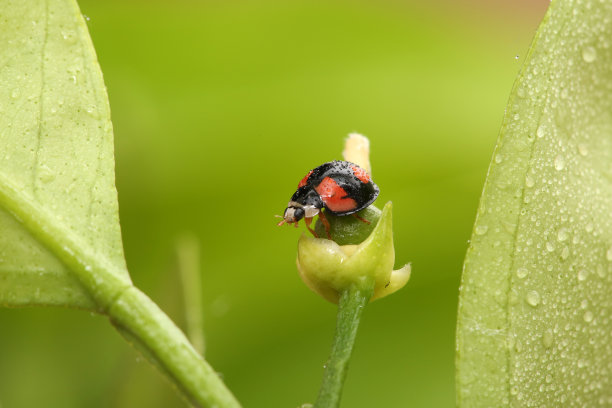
{"x": 329, "y": 268}
{"x": 347, "y": 230}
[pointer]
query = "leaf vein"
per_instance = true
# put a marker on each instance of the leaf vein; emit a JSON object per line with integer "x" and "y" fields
{"x": 40, "y": 102}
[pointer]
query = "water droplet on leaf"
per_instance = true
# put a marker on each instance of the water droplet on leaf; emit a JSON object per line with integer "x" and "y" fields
{"x": 541, "y": 131}
{"x": 559, "y": 162}
{"x": 533, "y": 298}
{"x": 481, "y": 229}
{"x": 589, "y": 54}
{"x": 562, "y": 235}
{"x": 547, "y": 338}
{"x": 609, "y": 254}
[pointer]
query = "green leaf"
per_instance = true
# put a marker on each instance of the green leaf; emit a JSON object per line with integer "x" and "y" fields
{"x": 58, "y": 203}
{"x": 534, "y": 324}
{"x": 61, "y": 241}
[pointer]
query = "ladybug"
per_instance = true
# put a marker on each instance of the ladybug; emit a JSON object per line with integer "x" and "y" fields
{"x": 341, "y": 187}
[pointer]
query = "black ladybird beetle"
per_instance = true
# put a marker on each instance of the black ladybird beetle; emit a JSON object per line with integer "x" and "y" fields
{"x": 340, "y": 186}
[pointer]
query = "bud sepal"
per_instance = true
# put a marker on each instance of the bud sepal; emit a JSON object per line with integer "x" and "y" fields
{"x": 329, "y": 269}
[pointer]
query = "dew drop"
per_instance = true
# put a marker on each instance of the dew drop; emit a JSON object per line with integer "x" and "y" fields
{"x": 550, "y": 247}
{"x": 45, "y": 174}
{"x": 541, "y": 131}
{"x": 565, "y": 253}
{"x": 522, "y": 273}
{"x": 15, "y": 94}
{"x": 588, "y": 316}
{"x": 559, "y": 162}
{"x": 609, "y": 254}
{"x": 529, "y": 182}
{"x": 92, "y": 110}
{"x": 499, "y": 158}
{"x": 562, "y": 235}
{"x": 582, "y": 275}
{"x": 547, "y": 339}
{"x": 481, "y": 229}
{"x": 589, "y": 54}
{"x": 583, "y": 149}
{"x": 69, "y": 36}
{"x": 533, "y": 298}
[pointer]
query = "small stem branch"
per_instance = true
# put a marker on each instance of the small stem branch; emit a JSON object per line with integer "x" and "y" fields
{"x": 188, "y": 259}
{"x": 350, "y": 307}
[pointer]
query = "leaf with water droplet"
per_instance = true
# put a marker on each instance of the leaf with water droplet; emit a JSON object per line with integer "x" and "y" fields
{"x": 60, "y": 242}
{"x": 53, "y": 214}
{"x": 546, "y": 282}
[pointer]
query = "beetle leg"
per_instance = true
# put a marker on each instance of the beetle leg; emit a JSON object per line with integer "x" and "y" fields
{"x": 325, "y": 223}
{"x": 360, "y": 218}
{"x": 307, "y": 221}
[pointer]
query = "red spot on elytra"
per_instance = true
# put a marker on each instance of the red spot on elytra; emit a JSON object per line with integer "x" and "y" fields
{"x": 361, "y": 174}
{"x": 304, "y": 180}
{"x": 334, "y": 196}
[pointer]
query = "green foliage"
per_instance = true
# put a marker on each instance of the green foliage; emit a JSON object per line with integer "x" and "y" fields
{"x": 61, "y": 239}
{"x": 193, "y": 84}
{"x": 58, "y": 203}
{"x": 534, "y": 315}
{"x": 330, "y": 269}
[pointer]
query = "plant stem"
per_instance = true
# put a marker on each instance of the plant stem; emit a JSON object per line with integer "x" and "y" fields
{"x": 136, "y": 316}
{"x": 150, "y": 330}
{"x": 188, "y": 260}
{"x": 350, "y": 307}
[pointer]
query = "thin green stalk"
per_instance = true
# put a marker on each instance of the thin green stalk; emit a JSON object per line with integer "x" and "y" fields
{"x": 136, "y": 316}
{"x": 188, "y": 260}
{"x": 350, "y": 307}
{"x": 150, "y": 330}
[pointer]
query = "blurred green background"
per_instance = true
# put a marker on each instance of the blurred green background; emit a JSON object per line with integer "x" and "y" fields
{"x": 219, "y": 109}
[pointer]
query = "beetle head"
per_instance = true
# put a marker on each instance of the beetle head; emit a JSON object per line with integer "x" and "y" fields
{"x": 296, "y": 211}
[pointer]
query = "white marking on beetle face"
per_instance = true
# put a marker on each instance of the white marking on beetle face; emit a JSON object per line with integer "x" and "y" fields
{"x": 289, "y": 214}
{"x": 310, "y": 211}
